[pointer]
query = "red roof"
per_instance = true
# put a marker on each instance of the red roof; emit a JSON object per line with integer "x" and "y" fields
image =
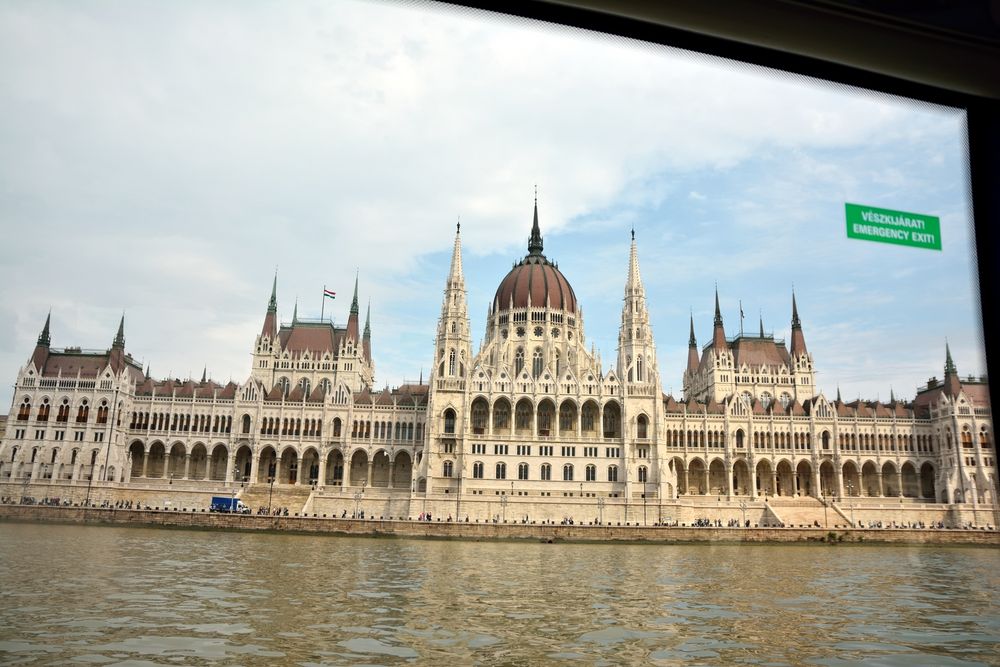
{"x": 537, "y": 278}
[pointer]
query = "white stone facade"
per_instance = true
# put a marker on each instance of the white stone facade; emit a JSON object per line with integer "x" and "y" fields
{"x": 530, "y": 425}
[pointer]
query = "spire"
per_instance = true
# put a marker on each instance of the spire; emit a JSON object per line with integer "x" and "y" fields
{"x": 147, "y": 371}
{"x": 535, "y": 242}
{"x": 368, "y": 320}
{"x": 634, "y": 279}
{"x": 798, "y": 339}
{"x": 270, "y": 328}
{"x": 719, "y": 333}
{"x": 455, "y": 277}
{"x": 44, "y": 339}
{"x": 892, "y": 395}
{"x": 354, "y": 302}
{"x": 120, "y": 336}
{"x": 762, "y": 326}
{"x": 692, "y": 349}
{"x": 41, "y": 353}
{"x": 272, "y": 305}
{"x": 949, "y": 365}
{"x": 295, "y": 311}
{"x": 352, "y": 319}
{"x": 838, "y": 394}
{"x": 204, "y": 375}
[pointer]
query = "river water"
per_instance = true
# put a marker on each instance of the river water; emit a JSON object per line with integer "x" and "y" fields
{"x": 139, "y": 596}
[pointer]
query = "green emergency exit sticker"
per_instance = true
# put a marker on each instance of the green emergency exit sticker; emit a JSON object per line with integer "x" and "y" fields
{"x": 886, "y": 226}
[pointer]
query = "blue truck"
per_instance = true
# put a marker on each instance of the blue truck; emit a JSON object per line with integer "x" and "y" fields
{"x": 228, "y": 504}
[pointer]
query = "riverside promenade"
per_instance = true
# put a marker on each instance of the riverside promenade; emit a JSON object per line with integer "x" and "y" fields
{"x": 450, "y": 530}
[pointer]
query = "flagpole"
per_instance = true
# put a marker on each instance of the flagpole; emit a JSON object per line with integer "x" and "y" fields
{"x": 322, "y": 307}
{"x": 741, "y": 317}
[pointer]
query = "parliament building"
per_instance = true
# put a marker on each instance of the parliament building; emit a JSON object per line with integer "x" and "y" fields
{"x": 532, "y": 426}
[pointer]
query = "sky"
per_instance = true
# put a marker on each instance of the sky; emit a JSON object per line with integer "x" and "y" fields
{"x": 165, "y": 159}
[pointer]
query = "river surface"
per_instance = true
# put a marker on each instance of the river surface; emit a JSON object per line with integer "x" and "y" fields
{"x": 140, "y": 596}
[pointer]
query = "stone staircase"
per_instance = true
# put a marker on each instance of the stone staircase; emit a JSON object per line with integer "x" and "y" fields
{"x": 293, "y": 496}
{"x": 804, "y": 512}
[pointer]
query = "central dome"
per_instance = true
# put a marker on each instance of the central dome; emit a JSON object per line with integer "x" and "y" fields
{"x": 535, "y": 279}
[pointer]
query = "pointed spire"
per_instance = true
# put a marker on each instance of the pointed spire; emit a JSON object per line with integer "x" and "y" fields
{"x": 295, "y": 311}
{"x": 719, "y": 333}
{"x": 634, "y": 278}
{"x": 204, "y": 375}
{"x": 949, "y": 365}
{"x": 762, "y": 326}
{"x": 354, "y": 302}
{"x": 272, "y": 304}
{"x": 455, "y": 277}
{"x": 120, "y": 336}
{"x": 692, "y": 365}
{"x": 892, "y": 395}
{"x": 838, "y": 394}
{"x": 44, "y": 338}
{"x": 535, "y": 242}
{"x": 798, "y": 339}
{"x": 147, "y": 371}
{"x": 368, "y": 320}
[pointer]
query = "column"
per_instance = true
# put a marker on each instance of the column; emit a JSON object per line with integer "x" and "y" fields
{"x": 729, "y": 482}
{"x": 707, "y": 478}
{"x": 817, "y": 484}
{"x": 300, "y": 476}
{"x": 881, "y": 492}
{"x": 347, "y": 471}
{"x": 322, "y": 472}
{"x": 254, "y": 467}
{"x": 899, "y": 481}
{"x": 774, "y": 482}
{"x": 187, "y": 465}
{"x": 579, "y": 422}
{"x": 838, "y": 479}
{"x": 392, "y": 465}
{"x": 371, "y": 465}
{"x": 229, "y": 468}
{"x": 145, "y": 461}
{"x": 489, "y": 421}
{"x": 687, "y": 490}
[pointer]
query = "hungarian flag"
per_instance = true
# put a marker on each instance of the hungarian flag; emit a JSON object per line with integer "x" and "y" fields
{"x": 327, "y": 294}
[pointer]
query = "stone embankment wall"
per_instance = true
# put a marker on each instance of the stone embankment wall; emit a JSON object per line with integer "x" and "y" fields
{"x": 483, "y": 531}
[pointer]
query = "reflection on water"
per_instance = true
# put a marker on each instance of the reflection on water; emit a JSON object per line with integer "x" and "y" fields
{"x": 140, "y": 596}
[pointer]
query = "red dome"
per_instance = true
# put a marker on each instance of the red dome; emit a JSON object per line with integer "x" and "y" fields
{"x": 537, "y": 277}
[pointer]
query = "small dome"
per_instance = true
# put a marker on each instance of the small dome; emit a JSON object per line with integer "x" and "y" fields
{"x": 537, "y": 278}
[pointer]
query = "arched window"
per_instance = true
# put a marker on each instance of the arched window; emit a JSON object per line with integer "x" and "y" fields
{"x": 284, "y": 384}
{"x": 642, "y": 426}
{"x": 518, "y": 361}
{"x": 643, "y": 474}
{"x": 522, "y": 471}
{"x": 477, "y": 470}
{"x": 536, "y": 363}
{"x": 546, "y": 472}
{"x": 448, "y": 468}
{"x": 786, "y": 400}
{"x": 766, "y": 399}
{"x": 612, "y": 473}
{"x": 591, "y": 473}
{"x": 24, "y": 410}
{"x": 246, "y": 423}
{"x": 449, "y": 421}
{"x": 306, "y": 386}
{"x": 451, "y": 362}
{"x": 501, "y": 471}
{"x": 568, "y": 472}
{"x": 638, "y": 367}
{"x": 739, "y": 439}
{"x": 558, "y": 364}
{"x": 43, "y": 411}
